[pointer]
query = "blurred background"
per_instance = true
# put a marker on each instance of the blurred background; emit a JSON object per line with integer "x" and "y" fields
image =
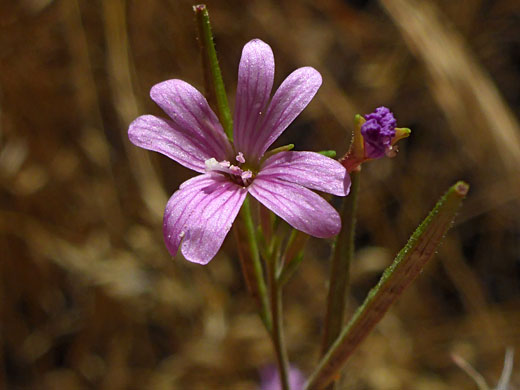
{"x": 91, "y": 299}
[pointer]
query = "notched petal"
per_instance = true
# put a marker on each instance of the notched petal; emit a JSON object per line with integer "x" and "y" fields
{"x": 255, "y": 81}
{"x": 291, "y": 98}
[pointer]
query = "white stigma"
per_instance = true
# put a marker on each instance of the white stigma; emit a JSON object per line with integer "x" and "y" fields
{"x": 211, "y": 164}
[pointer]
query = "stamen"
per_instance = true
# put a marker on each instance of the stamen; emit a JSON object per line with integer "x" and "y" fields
{"x": 235, "y": 173}
{"x": 235, "y": 170}
{"x": 240, "y": 158}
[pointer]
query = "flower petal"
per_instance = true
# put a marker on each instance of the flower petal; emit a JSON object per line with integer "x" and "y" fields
{"x": 191, "y": 113}
{"x": 255, "y": 81}
{"x": 300, "y": 207}
{"x": 309, "y": 169}
{"x": 270, "y": 378}
{"x": 161, "y": 135}
{"x": 200, "y": 215}
{"x": 288, "y": 102}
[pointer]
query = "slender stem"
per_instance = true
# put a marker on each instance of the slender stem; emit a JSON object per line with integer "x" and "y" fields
{"x": 266, "y": 224}
{"x": 341, "y": 258}
{"x": 215, "y": 90}
{"x": 292, "y": 257}
{"x": 256, "y": 269}
{"x": 290, "y": 268}
{"x": 212, "y": 75}
{"x": 277, "y": 330}
{"x": 246, "y": 264}
{"x": 297, "y": 241}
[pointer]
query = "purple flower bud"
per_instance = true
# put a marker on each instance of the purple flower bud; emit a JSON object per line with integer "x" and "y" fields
{"x": 270, "y": 378}
{"x": 378, "y": 131}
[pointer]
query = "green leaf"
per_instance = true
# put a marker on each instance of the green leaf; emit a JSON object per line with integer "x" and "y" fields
{"x": 406, "y": 267}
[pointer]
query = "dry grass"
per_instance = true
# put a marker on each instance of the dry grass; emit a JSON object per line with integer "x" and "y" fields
{"x": 89, "y": 297}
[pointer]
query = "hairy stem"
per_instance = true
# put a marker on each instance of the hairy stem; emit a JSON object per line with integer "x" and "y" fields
{"x": 214, "y": 83}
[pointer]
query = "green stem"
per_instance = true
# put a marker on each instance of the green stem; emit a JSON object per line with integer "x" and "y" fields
{"x": 407, "y": 265}
{"x": 277, "y": 330}
{"x": 245, "y": 214}
{"x": 266, "y": 224}
{"x": 293, "y": 256}
{"x": 341, "y": 257}
{"x": 216, "y": 91}
{"x": 212, "y": 74}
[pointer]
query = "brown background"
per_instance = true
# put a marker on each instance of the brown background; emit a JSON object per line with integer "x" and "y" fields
{"x": 90, "y": 298}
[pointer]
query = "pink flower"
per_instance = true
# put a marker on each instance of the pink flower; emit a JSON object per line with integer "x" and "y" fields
{"x": 200, "y": 214}
{"x": 270, "y": 379}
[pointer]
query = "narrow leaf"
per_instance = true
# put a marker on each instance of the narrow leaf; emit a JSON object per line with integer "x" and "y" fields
{"x": 407, "y": 265}
{"x": 214, "y": 83}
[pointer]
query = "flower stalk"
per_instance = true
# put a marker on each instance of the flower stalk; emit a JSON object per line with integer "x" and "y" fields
{"x": 253, "y": 264}
{"x": 216, "y": 92}
{"x": 277, "y": 336}
{"x": 341, "y": 258}
{"x": 292, "y": 257}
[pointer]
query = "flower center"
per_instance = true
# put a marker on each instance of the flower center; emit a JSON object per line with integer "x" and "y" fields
{"x": 235, "y": 173}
